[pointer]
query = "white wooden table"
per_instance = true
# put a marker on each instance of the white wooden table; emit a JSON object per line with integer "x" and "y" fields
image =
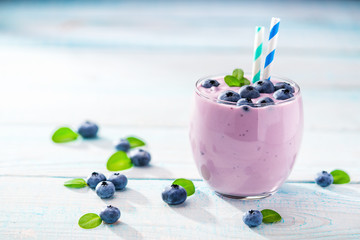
{"x": 62, "y": 63}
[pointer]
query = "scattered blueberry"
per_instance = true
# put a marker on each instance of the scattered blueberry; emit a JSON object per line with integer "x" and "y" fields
{"x": 105, "y": 189}
{"x": 253, "y": 218}
{"x": 324, "y": 179}
{"x": 284, "y": 85}
{"x": 88, "y": 129}
{"x": 122, "y": 145}
{"x": 229, "y": 96}
{"x": 248, "y": 92}
{"x": 210, "y": 83}
{"x": 282, "y": 94}
{"x": 264, "y": 86}
{"x": 265, "y": 101}
{"x": 140, "y": 157}
{"x": 94, "y": 179}
{"x": 174, "y": 194}
{"x": 119, "y": 180}
{"x": 110, "y": 214}
{"x": 244, "y": 101}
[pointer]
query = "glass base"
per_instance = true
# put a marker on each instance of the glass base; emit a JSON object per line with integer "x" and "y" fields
{"x": 264, "y": 195}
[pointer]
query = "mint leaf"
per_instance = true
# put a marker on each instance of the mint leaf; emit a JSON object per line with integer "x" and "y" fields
{"x": 232, "y": 81}
{"x": 119, "y": 161}
{"x": 187, "y": 184}
{"x": 244, "y": 81}
{"x": 340, "y": 177}
{"x": 135, "y": 142}
{"x": 64, "y": 134}
{"x": 89, "y": 220}
{"x": 75, "y": 183}
{"x": 270, "y": 216}
{"x": 238, "y": 73}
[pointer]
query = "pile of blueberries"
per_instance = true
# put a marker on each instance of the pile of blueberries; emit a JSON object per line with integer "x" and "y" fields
{"x": 281, "y": 91}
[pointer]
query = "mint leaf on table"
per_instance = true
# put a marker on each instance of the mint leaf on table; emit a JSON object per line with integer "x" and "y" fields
{"x": 340, "y": 177}
{"x": 119, "y": 161}
{"x": 187, "y": 184}
{"x": 64, "y": 134}
{"x": 270, "y": 216}
{"x": 75, "y": 183}
{"x": 236, "y": 79}
{"x": 238, "y": 73}
{"x": 135, "y": 142}
{"x": 89, "y": 220}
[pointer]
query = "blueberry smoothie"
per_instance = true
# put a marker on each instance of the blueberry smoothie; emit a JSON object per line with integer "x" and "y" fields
{"x": 245, "y": 139}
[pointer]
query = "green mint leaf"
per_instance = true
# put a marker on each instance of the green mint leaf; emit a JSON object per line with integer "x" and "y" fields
{"x": 119, "y": 161}
{"x": 232, "y": 81}
{"x": 340, "y": 177}
{"x": 244, "y": 81}
{"x": 64, "y": 134}
{"x": 135, "y": 142}
{"x": 187, "y": 184}
{"x": 270, "y": 216}
{"x": 75, "y": 183}
{"x": 89, "y": 220}
{"x": 238, "y": 73}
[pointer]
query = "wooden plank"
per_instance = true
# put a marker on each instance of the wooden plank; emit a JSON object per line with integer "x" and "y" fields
{"x": 28, "y": 151}
{"x": 44, "y": 209}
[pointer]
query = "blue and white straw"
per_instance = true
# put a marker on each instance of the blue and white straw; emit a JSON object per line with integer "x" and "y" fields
{"x": 273, "y": 37}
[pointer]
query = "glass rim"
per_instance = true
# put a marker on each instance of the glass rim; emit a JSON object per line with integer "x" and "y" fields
{"x": 284, "y": 79}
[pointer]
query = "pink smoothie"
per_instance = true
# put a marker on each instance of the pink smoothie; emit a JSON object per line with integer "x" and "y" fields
{"x": 245, "y": 153}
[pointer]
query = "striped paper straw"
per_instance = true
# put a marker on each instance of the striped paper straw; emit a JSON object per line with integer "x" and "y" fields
{"x": 258, "y": 46}
{"x": 273, "y": 37}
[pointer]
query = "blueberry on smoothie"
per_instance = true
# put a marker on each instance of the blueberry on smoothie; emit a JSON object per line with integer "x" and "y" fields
{"x": 264, "y": 86}
{"x": 119, "y": 180}
{"x": 283, "y": 94}
{"x": 94, "y": 179}
{"x": 265, "y": 101}
{"x": 244, "y": 101}
{"x": 140, "y": 157}
{"x": 248, "y": 92}
{"x": 284, "y": 85}
{"x": 253, "y": 218}
{"x": 88, "y": 129}
{"x": 174, "y": 194}
{"x": 210, "y": 83}
{"x": 324, "y": 179}
{"x": 105, "y": 189}
{"x": 229, "y": 96}
{"x": 110, "y": 214}
{"x": 122, "y": 145}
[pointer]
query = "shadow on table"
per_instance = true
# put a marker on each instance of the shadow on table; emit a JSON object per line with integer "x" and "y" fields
{"x": 126, "y": 197}
{"x": 100, "y": 142}
{"x": 124, "y": 230}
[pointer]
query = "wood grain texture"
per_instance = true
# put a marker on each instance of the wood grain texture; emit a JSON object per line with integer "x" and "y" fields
{"x": 45, "y": 209}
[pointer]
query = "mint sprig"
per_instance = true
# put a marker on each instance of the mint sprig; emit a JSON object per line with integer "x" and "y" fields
{"x": 340, "y": 177}
{"x": 63, "y": 135}
{"x": 187, "y": 184}
{"x": 270, "y": 216}
{"x": 89, "y": 220}
{"x": 119, "y": 161}
{"x": 135, "y": 142}
{"x": 75, "y": 183}
{"x": 237, "y": 79}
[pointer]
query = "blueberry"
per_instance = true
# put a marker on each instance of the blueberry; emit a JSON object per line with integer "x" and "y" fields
{"x": 119, "y": 180}
{"x": 284, "y": 85}
{"x": 244, "y": 101}
{"x": 282, "y": 94}
{"x": 248, "y": 92}
{"x": 122, "y": 145}
{"x": 264, "y": 86}
{"x": 265, "y": 101}
{"x": 324, "y": 179}
{"x": 210, "y": 83}
{"x": 94, "y": 179}
{"x": 140, "y": 157}
{"x": 174, "y": 194}
{"x": 110, "y": 214}
{"x": 229, "y": 96}
{"x": 105, "y": 189}
{"x": 88, "y": 129}
{"x": 252, "y": 218}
